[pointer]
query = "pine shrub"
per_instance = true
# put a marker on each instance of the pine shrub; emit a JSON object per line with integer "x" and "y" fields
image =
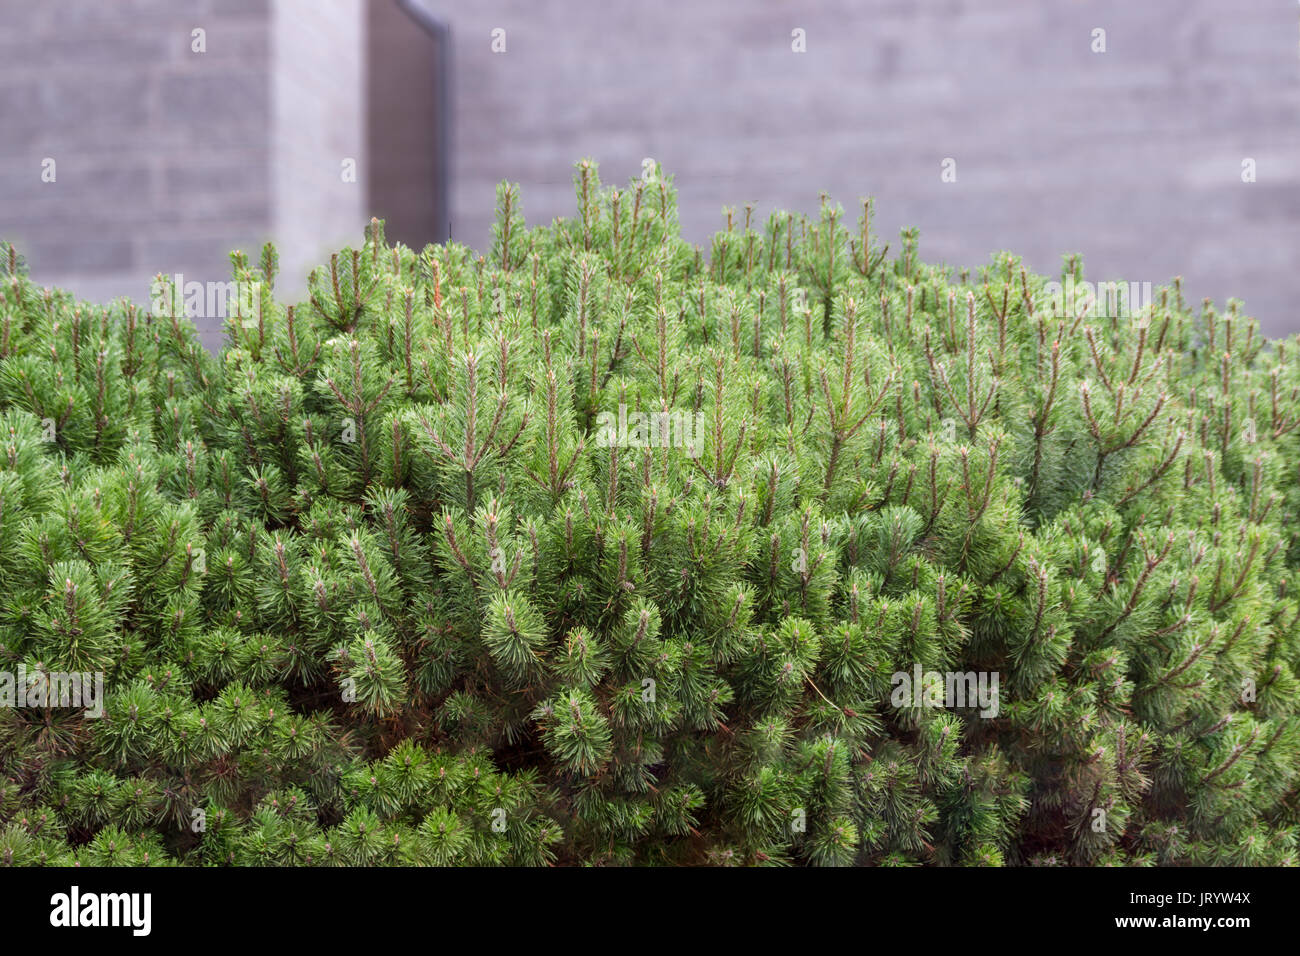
{"x": 601, "y": 548}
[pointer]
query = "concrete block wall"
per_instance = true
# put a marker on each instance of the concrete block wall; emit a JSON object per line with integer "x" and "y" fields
{"x": 166, "y": 158}
{"x": 1131, "y": 157}
{"x": 319, "y": 161}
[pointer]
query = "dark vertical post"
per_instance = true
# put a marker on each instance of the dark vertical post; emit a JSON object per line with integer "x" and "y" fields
{"x": 440, "y": 31}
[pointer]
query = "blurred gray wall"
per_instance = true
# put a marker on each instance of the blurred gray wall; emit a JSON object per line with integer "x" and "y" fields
{"x": 1132, "y": 156}
{"x": 165, "y": 158}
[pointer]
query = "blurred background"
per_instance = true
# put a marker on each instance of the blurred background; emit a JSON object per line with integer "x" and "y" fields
{"x": 1156, "y": 139}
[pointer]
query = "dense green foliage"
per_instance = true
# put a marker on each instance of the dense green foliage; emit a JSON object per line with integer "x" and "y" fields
{"x": 372, "y": 586}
